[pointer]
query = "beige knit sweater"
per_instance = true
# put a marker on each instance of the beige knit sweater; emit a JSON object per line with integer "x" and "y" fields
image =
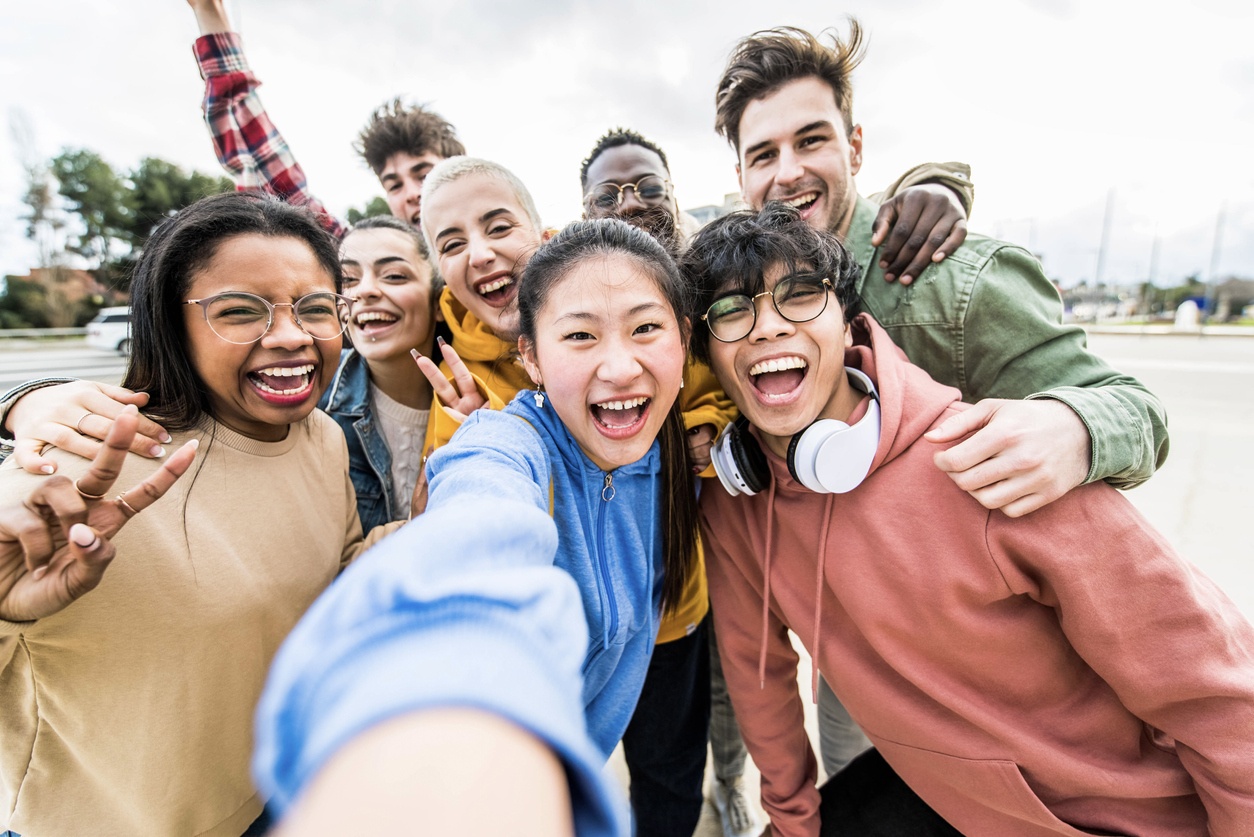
{"x": 130, "y": 712}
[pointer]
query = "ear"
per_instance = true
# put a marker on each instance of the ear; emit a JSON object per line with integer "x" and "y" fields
{"x": 848, "y": 335}
{"x": 855, "y": 149}
{"x": 547, "y": 234}
{"x": 527, "y": 351}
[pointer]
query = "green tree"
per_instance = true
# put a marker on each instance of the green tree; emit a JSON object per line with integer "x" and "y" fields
{"x": 99, "y": 197}
{"x": 377, "y": 206}
{"x": 159, "y": 188}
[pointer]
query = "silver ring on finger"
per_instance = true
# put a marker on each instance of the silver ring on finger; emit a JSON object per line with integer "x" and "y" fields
{"x": 78, "y": 425}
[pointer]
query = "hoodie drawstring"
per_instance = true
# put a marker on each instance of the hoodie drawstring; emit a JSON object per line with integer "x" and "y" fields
{"x": 766, "y": 585}
{"x": 818, "y": 597}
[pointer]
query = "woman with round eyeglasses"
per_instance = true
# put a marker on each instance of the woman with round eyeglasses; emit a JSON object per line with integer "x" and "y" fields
{"x": 129, "y": 687}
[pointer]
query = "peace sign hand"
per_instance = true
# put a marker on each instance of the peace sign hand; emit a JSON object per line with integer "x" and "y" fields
{"x": 55, "y": 546}
{"x": 461, "y": 397}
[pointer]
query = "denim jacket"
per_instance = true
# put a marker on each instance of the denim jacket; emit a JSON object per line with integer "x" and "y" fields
{"x": 987, "y": 321}
{"x": 347, "y": 401}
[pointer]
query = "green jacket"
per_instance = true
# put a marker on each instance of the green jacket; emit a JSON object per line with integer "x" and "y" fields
{"x": 987, "y": 321}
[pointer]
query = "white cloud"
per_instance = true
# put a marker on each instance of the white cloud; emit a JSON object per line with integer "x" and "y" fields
{"x": 1054, "y": 103}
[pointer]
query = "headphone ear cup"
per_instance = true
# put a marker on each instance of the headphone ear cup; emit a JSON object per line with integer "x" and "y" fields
{"x": 739, "y": 461}
{"x": 749, "y": 457}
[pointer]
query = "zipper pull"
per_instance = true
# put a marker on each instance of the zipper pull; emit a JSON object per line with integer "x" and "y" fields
{"x": 607, "y": 490}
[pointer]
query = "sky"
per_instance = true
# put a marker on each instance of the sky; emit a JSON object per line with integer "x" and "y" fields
{"x": 1061, "y": 107}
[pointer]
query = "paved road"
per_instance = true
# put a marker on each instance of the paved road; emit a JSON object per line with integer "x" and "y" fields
{"x": 23, "y": 360}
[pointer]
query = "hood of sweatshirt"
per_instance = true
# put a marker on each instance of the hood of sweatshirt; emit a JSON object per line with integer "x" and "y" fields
{"x": 910, "y": 404}
{"x": 484, "y": 353}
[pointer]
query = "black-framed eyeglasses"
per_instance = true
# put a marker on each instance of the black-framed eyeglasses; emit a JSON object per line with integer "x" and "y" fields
{"x": 244, "y": 318}
{"x": 650, "y": 190}
{"x": 798, "y": 298}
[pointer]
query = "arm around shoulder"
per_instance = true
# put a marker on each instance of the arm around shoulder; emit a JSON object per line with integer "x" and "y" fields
{"x": 1015, "y": 345}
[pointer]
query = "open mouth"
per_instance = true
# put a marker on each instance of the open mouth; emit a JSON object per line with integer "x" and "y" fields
{"x": 283, "y": 384}
{"x": 498, "y": 290}
{"x": 778, "y": 378}
{"x": 370, "y": 323}
{"x": 621, "y": 418}
{"x": 803, "y": 203}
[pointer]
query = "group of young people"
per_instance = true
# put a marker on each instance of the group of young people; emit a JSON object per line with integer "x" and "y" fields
{"x": 550, "y": 441}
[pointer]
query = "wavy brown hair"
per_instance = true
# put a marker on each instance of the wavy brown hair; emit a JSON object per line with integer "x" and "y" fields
{"x": 767, "y": 60}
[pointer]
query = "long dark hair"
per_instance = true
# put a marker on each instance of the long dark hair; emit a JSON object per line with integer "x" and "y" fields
{"x": 579, "y": 242}
{"x": 178, "y": 248}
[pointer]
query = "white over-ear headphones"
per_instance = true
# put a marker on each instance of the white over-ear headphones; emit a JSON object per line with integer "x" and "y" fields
{"x": 828, "y": 457}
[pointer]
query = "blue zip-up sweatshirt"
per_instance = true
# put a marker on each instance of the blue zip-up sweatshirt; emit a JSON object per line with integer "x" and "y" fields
{"x": 609, "y": 537}
{"x": 485, "y": 600}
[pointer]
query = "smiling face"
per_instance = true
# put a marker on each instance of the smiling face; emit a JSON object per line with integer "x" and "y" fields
{"x": 402, "y": 177}
{"x": 482, "y": 239}
{"x": 390, "y": 281}
{"x": 628, "y": 164}
{"x": 609, "y": 351}
{"x": 260, "y": 388}
{"x": 785, "y": 375}
{"x": 794, "y": 148}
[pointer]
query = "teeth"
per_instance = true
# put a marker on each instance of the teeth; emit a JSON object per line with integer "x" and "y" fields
{"x": 489, "y": 287}
{"x": 778, "y": 364}
{"x": 375, "y": 316}
{"x": 629, "y": 404}
{"x": 286, "y": 371}
{"x": 802, "y": 199}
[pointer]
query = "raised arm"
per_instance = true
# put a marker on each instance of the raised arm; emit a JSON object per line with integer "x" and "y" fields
{"x": 248, "y": 145}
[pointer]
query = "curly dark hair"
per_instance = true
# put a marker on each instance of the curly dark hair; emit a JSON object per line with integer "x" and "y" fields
{"x": 396, "y": 126}
{"x": 767, "y": 60}
{"x": 612, "y": 139}
{"x": 732, "y": 255}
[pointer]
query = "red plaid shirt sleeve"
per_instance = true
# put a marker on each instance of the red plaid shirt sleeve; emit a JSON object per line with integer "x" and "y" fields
{"x": 247, "y": 143}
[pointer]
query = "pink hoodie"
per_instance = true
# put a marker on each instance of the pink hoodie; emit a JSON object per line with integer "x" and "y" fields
{"x": 1061, "y": 673}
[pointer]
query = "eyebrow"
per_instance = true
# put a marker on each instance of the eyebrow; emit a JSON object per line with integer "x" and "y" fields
{"x": 587, "y": 316}
{"x": 804, "y": 129}
{"x": 483, "y": 219}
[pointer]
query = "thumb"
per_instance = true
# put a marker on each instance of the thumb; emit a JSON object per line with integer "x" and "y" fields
{"x": 883, "y": 220}
{"x": 966, "y": 422}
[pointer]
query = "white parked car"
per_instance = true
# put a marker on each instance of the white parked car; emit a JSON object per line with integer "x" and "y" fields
{"x": 111, "y": 330}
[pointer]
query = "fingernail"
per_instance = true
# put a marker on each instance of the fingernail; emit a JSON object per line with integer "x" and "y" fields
{"x": 165, "y": 438}
{"x": 939, "y": 255}
{"x": 440, "y": 341}
{"x": 415, "y": 354}
{"x": 82, "y": 535}
{"x": 156, "y": 450}
{"x": 907, "y": 279}
{"x": 39, "y": 572}
{"x": 46, "y": 469}
{"x": 883, "y": 265}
